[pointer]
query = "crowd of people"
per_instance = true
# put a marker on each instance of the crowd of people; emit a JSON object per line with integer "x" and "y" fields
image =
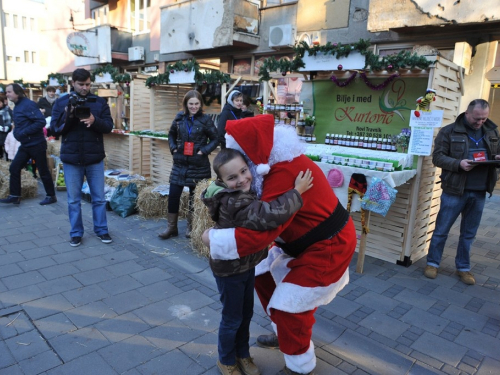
{"x": 280, "y": 229}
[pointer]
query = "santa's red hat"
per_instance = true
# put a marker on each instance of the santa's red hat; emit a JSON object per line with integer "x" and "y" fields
{"x": 255, "y": 135}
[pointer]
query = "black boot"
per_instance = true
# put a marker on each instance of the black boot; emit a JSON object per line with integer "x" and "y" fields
{"x": 268, "y": 341}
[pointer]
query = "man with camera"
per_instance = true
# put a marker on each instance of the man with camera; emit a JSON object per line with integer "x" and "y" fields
{"x": 81, "y": 118}
{"x": 29, "y": 123}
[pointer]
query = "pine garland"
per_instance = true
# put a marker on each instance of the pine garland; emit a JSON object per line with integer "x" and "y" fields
{"x": 61, "y": 79}
{"x": 108, "y": 68}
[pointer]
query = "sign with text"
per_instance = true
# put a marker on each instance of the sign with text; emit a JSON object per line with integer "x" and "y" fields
{"x": 360, "y": 110}
{"x": 433, "y": 118}
{"x": 421, "y": 140}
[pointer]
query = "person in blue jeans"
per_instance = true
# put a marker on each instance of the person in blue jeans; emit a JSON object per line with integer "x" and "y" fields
{"x": 29, "y": 123}
{"x": 81, "y": 118}
{"x": 459, "y": 150}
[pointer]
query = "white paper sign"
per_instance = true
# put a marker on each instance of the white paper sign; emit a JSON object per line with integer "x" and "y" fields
{"x": 433, "y": 118}
{"x": 421, "y": 140}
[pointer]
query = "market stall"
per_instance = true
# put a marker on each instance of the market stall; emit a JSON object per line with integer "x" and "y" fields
{"x": 359, "y": 108}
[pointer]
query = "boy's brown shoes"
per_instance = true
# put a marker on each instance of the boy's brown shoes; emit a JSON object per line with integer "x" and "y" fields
{"x": 228, "y": 369}
{"x": 247, "y": 366}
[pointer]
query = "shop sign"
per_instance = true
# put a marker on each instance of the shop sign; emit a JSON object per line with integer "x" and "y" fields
{"x": 178, "y": 77}
{"x": 320, "y": 61}
{"x": 82, "y": 44}
{"x": 151, "y": 69}
{"x": 358, "y": 110}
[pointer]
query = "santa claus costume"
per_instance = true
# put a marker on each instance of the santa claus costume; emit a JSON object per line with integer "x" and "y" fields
{"x": 310, "y": 265}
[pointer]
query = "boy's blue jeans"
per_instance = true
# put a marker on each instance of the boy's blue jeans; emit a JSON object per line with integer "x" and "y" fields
{"x": 237, "y": 297}
{"x": 470, "y": 205}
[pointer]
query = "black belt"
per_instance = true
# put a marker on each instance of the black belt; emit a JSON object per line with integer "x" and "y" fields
{"x": 325, "y": 230}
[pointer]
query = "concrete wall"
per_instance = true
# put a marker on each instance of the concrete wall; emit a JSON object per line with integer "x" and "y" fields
{"x": 430, "y": 12}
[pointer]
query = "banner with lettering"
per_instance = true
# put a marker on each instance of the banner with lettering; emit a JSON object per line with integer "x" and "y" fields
{"x": 359, "y": 110}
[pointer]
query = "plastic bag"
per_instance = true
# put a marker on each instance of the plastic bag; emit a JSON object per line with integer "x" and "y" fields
{"x": 124, "y": 199}
{"x": 378, "y": 197}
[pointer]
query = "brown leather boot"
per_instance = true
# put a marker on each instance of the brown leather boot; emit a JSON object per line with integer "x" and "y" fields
{"x": 171, "y": 230}
{"x": 189, "y": 226}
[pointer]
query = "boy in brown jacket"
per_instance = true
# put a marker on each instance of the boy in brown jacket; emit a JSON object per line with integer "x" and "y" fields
{"x": 232, "y": 203}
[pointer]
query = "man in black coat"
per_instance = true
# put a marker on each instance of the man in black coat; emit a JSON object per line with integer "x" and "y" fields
{"x": 81, "y": 118}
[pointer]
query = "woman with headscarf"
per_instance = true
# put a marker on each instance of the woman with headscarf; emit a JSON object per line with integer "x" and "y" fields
{"x": 231, "y": 111}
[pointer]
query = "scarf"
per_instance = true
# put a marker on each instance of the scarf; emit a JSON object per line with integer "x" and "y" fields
{"x": 51, "y": 100}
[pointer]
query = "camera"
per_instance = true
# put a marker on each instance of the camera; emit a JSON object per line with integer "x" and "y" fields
{"x": 78, "y": 103}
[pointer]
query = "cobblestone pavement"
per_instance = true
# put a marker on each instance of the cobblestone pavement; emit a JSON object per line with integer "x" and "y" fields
{"x": 142, "y": 306}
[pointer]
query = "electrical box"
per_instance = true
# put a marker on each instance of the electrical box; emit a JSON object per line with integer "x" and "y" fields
{"x": 135, "y": 53}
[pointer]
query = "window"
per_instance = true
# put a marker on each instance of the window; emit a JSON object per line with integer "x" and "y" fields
{"x": 270, "y": 3}
{"x": 32, "y": 24}
{"x": 33, "y": 57}
{"x": 9, "y": 58}
{"x": 7, "y": 20}
{"x": 25, "y": 23}
{"x": 14, "y": 21}
{"x": 100, "y": 15}
{"x": 26, "y": 56}
{"x": 140, "y": 13}
{"x": 18, "y": 59}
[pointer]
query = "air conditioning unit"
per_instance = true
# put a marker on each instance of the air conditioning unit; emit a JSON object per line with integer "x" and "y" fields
{"x": 135, "y": 53}
{"x": 282, "y": 36}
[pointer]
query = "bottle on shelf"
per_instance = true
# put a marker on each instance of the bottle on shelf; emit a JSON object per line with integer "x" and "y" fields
{"x": 335, "y": 139}
{"x": 379, "y": 144}
{"x": 374, "y": 143}
{"x": 360, "y": 142}
{"x": 394, "y": 148}
{"x": 327, "y": 139}
{"x": 348, "y": 141}
{"x": 384, "y": 144}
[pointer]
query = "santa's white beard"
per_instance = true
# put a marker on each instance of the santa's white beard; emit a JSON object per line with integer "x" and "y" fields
{"x": 286, "y": 147}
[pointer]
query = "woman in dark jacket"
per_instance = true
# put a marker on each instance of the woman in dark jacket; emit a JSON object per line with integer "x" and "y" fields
{"x": 231, "y": 111}
{"x": 192, "y": 137}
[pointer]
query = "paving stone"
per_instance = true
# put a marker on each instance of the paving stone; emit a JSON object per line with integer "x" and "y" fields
{"x": 10, "y": 269}
{"x": 183, "y": 364}
{"x": 58, "y": 271}
{"x": 12, "y": 370}
{"x": 22, "y": 280}
{"x": 159, "y": 291}
{"x": 126, "y": 354}
{"x": 373, "y": 283}
{"x": 488, "y": 367}
{"x": 46, "y": 306}
{"x": 21, "y": 295}
{"x": 172, "y": 335}
{"x": 422, "y": 369}
{"x": 479, "y": 342}
{"x": 124, "y": 268}
{"x": 68, "y": 256}
{"x": 156, "y": 313}
{"x": 415, "y": 299}
{"x": 40, "y": 363}
{"x": 367, "y": 355}
{"x": 377, "y": 302}
{"x": 469, "y": 319}
{"x": 60, "y": 285}
{"x": 119, "y": 285}
{"x": 446, "y": 295}
{"x": 122, "y": 327}
{"x": 54, "y": 325}
{"x": 150, "y": 276}
{"x": 91, "y": 263}
{"x": 94, "y": 276}
{"x": 27, "y": 345}
{"x": 125, "y": 302}
{"x": 92, "y": 313}
{"x": 88, "y": 364}
{"x": 440, "y": 349}
{"x": 384, "y": 325}
{"x": 426, "y": 321}
{"x": 78, "y": 343}
{"x": 85, "y": 295}
{"x": 6, "y": 357}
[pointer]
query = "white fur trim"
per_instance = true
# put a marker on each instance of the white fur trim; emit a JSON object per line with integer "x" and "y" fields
{"x": 263, "y": 169}
{"x": 223, "y": 244}
{"x": 265, "y": 264}
{"x": 302, "y": 363}
{"x": 294, "y": 298}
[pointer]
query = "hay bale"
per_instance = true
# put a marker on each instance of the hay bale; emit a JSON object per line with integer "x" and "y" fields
{"x": 4, "y": 166}
{"x": 29, "y": 185}
{"x": 54, "y": 148}
{"x": 141, "y": 184}
{"x": 153, "y": 205}
{"x": 201, "y": 220}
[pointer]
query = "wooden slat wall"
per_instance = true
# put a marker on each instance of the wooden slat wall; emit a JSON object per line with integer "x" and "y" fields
{"x": 140, "y": 120}
{"x": 445, "y": 79}
{"x": 117, "y": 151}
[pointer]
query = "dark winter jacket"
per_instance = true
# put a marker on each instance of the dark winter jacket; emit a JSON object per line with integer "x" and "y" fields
{"x": 5, "y": 123}
{"x": 233, "y": 208}
{"x": 228, "y": 113}
{"x": 43, "y": 103}
{"x": 452, "y": 146}
{"x": 188, "y": 170}
{"x": 29, "y": 123}
{"x": 82, "y": 145}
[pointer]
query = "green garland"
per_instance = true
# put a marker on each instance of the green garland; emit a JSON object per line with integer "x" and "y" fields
{"x": 402, "y": 60}
{"x": 149, "y": 133}
{"x": 20, "y": 82}
{"x": 61, "y": 79}
{"x": 2, "y": 87}
{"x": 190, "y": 65}
{"x": 121, "y": 78}
{"x": 108, "y": 68}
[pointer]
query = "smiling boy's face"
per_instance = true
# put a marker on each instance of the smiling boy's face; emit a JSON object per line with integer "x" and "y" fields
{"x": 236, "y": 175}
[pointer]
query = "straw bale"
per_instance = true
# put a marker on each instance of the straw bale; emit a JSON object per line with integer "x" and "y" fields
{"x": 141, "y": 184}
{"x": 29, "y": 185}
{"x": 153, "y": 205}
{"x": 201, "y": 220}
{"x": 54, "y": 148}
{"x": 4, "y": 184}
